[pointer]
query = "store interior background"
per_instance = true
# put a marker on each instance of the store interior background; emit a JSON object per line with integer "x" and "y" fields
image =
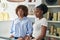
{"x": 7, "y": 14}
{"x": 9, "y": 9}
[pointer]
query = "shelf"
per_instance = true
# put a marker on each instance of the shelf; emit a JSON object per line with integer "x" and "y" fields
{"x": 54, "y": 6}
{"x": 52, "y": 36}
{"x": 32, "y": 16}
{"x": 31, "y": 3}
{"x": 6, "y": 21}
{"x": 54, "y": 21}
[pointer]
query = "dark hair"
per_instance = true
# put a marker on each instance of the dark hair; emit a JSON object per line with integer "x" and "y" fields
{"x": 24, "y": 8}
{"x": 43, "y": 7}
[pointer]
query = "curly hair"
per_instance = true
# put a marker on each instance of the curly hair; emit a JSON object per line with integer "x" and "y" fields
{"x": 24, "y": 8}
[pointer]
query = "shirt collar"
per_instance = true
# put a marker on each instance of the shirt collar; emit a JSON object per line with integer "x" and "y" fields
{"x": 22, "y": 18}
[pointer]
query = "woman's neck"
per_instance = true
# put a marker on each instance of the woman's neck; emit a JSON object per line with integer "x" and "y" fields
{"x": 40, "y": 17}
{"x": 20, "y": 17}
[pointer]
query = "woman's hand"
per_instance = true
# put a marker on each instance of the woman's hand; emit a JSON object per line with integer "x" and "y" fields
{"x": 27, "y": 37}
{"x": 20, "y": 39}
{"x": 11, "y": 36}
{"x": 34, "y": 39}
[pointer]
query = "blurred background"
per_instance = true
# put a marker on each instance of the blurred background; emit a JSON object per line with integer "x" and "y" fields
{"x": 7, "y": 15}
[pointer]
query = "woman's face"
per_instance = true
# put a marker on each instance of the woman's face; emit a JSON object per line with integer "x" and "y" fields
{"x": 38, "y": 12}
{"x": 20, "y": 13}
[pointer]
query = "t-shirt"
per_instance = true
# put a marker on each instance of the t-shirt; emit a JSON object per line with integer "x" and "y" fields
{"x": 37, "y": 26}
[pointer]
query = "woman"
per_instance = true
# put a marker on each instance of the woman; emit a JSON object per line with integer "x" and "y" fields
{"x": 22, "y": 26}
{"x": 40, "y": 25}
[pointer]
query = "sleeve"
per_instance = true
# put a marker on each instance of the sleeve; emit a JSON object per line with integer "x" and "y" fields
{"x": 11, "y": 30}
{"x": 29, "y": 28}
{"x": 44, "y": 23}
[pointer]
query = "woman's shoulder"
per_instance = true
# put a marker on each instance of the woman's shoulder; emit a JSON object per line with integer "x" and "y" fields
{"x": 28, "y": 19}
{"x": 15, "y": 20}
{"x": 44, "y": 19}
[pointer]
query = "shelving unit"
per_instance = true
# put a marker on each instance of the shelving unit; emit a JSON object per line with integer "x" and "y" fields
{"x": 52, "y": 36}
{"x": 53, "y": 6}
{"x": 54, "y": 21}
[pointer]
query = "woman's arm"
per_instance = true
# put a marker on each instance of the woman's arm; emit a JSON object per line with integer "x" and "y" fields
{"x": 43, "y": 33}
{"x": 29, "y": 30}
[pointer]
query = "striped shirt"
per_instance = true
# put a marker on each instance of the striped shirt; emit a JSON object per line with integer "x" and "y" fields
{"x": 21, "y": 27}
